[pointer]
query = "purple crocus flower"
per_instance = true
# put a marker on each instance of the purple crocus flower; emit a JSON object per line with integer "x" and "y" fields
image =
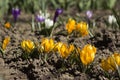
{"x": 15, "y": 13}
{"x": 40, "y": 18}
{"x": 57, "y": 13}
{"x": 89, "y": 14}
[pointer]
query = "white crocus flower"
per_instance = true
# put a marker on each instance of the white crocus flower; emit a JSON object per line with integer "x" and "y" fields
{"x": 111, "y": 19}
{"x": 45, "y": 15}
{"x": 48, "y": 23}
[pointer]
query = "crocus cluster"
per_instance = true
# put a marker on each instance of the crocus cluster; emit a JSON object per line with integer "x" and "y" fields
{"x": 81, "y": 27}
{"x": 111, "y": 62}
{"x": 63, "y": 49}
{"x": 48, "y": 45}
{"x": 45, "y": 18}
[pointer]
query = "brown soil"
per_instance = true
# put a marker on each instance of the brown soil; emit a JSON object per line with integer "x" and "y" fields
{"x": 13, "y": 67}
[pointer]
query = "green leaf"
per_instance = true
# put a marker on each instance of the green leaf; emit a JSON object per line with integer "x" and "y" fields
{"x": 110, "y": 3}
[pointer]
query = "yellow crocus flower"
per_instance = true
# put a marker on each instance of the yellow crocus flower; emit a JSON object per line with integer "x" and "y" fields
{"x": 5, "y": 42}
{"x": 7, "y": 25}
{"x": 70, "y": 26}
{"x": 87, "y": 54}
{"x": 71, "y": 48}
{"x": 47, "y": 44}
{"x": 117, "y": 58}
{"x": 65, "y": 50}
{"x": 82, "y": 28}
{"x": 106, "y": 65}
{"x": 58, "y": 46}
{"x": 111, "y": 62}
{"x": 27, "y": 45}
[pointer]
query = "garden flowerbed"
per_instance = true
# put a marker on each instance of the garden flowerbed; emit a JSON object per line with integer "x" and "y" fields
{"x": 14, "y": 67}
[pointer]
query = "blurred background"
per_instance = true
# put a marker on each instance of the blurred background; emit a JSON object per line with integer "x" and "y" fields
{"x": 31, "y": 6}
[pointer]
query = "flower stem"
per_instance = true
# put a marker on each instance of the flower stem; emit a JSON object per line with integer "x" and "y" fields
{"x": 2, "y": 52}
{"x": 33, "y": 25}
{"x": 39, "y": 26}
{"x": 84, "y": 68}
{"x": 90, "y": 33}
{"x": 51, "y": 34}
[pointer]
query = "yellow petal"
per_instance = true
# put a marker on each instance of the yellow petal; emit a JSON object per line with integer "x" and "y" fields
{"x": 111, "y": 62}
{"x": 87, "y": 54}
{"x": 7, "y": 25}
{"x": 58, "y": 46}
{"x": 64, "y": 50}
{"x": 27, "y": 45}
{"x": 5, "y": 43}
{"x": 82, "y": 28}
{"x": 106, "y": 65}
{"x": 47, "y": 44}
{"x": 70, "y": 26}
{"x": 117, "y": 58}
{"x": 70, "y": 48}
{"x": 83, "y": 57}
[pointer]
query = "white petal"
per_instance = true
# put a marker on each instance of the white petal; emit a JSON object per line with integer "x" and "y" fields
{"x": 48, "y": 23}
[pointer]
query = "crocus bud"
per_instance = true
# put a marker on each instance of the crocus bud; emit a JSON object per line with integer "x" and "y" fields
{"x": 89, "y": 14}
{"x": 7, "y": 25}
{"x": 15, "y": 13}
{"x": 5, "y": 42}
{"x": 57, "y": 13}
{"x": 111, "y": 19}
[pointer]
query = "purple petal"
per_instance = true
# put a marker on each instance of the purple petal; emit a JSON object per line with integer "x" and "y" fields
{"x": 89, "y": 14}
{"x": 57, "y": 13}
{"x": 40, "y": 18}
{"x": 15, "y": 13}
